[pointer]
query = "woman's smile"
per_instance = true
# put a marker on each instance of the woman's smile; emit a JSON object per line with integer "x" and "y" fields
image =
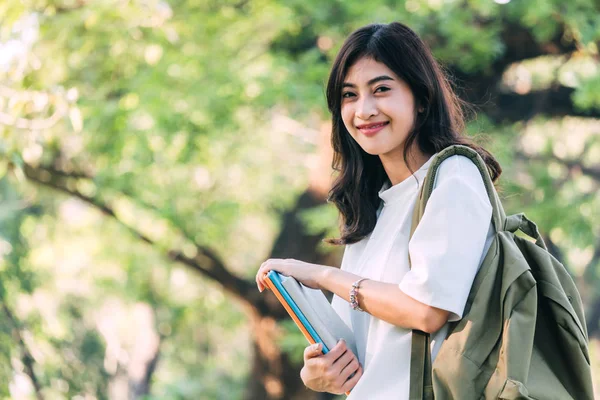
{"x": 371, "y": 129}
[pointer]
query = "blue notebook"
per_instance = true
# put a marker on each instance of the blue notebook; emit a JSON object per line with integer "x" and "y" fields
{"x": 276, "y": 279}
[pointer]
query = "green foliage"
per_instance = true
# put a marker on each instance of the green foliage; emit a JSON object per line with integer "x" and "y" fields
{"x": 588, "y": 96}
{"x": 320, "y": 219}
{"x": 171, "y": 109}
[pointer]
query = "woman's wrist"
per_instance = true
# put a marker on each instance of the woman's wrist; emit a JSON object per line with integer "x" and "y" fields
{"x": 336, "y": 281}
{"x": 325, "y": 277}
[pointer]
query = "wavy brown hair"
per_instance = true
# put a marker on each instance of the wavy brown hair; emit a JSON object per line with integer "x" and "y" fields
{"x": 441, "y": 124}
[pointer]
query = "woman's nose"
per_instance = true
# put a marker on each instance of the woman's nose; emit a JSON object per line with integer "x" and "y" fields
{"x": 366, "y": 108}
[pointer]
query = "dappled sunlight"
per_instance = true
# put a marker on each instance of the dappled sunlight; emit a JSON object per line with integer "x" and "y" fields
{"x": 265, "y": 335}
{"x": 273, "y": 385}
{"x": 567, "y": 151}
{"x": 568, "y": 136}
{"x": 153, "y": 154}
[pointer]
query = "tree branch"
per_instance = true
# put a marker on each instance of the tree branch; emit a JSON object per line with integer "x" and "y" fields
{"x": 521, "y": 45}
{"x": 27, "y": 358}
{"x": 205, "y": 261}
{"x": 593, "y": 171}
{"x": 60, "y": 9}
{"x": 555, "y": 102}
{"x": 483, "y": 88}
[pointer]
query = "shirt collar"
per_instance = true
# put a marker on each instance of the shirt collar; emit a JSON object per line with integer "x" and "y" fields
{"x": 390, "y": 194}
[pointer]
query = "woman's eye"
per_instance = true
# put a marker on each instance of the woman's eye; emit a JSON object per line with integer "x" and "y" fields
{"x": 380, "y": 88}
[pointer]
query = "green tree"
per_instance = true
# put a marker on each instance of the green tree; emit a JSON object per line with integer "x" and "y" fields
{"x": 196, "y": 131}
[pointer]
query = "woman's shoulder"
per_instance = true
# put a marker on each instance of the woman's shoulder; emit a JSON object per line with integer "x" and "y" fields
{"x": 460, "y": 168}
{"x": 461, "y": 176}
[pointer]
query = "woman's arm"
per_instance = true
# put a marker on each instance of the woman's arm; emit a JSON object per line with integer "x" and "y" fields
{"x": 385, "y": 301}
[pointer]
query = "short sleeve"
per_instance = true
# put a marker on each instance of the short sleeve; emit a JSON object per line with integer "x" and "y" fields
{"x": 447, "y": 246}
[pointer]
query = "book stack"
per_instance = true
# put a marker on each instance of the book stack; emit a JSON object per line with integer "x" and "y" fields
{"x": 311, "y": 311}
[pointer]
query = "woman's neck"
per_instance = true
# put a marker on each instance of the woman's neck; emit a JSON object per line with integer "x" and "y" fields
{"x": 396, "y": 168}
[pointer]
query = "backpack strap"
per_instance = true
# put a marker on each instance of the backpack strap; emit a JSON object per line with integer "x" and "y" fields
{"x": 498, "y": 214}
{"x": 421, "y": 386}
{"x": 520, "y": 221}
{"x": 420, "y": 362}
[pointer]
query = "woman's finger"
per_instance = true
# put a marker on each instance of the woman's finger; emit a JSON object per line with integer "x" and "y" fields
{"x": 349, "y": 368}
{"x": 350, "y": 383}
{"x": 274, "y": 264}
{"x": 344, "y": 360}
{"x": 262, "y": 274}
{"x": 339, "y": 349}
{"x": 258, "y": 275}
{"x": 314, "y": 350}
{"x": 259, "y": 278}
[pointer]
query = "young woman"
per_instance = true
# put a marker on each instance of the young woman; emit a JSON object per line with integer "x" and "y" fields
{"x": 393, "y": 110}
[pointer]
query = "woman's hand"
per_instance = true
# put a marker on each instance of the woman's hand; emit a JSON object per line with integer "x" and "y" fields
{"x": 308, "y": 274}
{"x": 330, "y": 372}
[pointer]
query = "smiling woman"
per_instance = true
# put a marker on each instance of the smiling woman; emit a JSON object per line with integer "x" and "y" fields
{"x": 378, "y": 111}
{"x": 393, "y": 110}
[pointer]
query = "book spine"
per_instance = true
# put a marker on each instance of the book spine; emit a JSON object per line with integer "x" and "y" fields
{"x": 292, "y": 314}
{"x": 313, "y": 319}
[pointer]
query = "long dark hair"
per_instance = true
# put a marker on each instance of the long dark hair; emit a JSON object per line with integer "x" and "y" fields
{"x": 441, "y": 124}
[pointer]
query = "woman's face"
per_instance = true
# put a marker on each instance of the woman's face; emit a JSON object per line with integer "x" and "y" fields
{"x": 377, "y": 108}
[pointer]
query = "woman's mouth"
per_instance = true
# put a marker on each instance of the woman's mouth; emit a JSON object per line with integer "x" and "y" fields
{"x": 372, "y": 129}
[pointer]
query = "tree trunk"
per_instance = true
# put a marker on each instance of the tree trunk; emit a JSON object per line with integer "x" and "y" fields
{"x": 273, "y": 375}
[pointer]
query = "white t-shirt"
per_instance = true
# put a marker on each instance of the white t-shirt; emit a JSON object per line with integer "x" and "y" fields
{"x": 446, "y": 251}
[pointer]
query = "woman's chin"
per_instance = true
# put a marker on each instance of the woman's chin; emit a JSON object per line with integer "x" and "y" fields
{"x": 383, "y": 149}
{"x": 375, "y": 150}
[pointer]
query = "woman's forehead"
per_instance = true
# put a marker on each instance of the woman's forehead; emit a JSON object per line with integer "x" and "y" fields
{"x": 366, "y": 69}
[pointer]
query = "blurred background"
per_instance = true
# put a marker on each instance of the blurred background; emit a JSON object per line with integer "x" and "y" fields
{"x": 154, "y": 153}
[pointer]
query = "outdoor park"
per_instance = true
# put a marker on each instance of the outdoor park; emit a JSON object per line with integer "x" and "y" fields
{"x": 154, "y": 153}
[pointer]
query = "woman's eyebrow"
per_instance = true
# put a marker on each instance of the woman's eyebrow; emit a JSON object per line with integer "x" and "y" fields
{"x": 372, "y": 81}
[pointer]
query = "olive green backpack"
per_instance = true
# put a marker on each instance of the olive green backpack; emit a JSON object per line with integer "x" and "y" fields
{"x": 523, "y": 333}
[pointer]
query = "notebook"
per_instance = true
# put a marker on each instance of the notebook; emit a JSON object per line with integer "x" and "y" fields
{"x": 311, "y": 311}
